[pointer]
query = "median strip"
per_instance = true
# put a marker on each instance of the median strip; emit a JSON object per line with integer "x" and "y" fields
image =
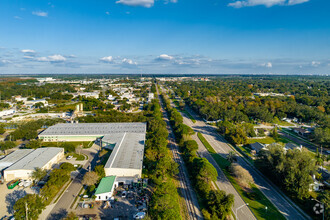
{"x": 261, "y": 207}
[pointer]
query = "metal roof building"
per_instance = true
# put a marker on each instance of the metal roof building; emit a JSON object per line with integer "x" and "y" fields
{"x": 13, "y": 157}
{"x": 42, "y": 158}
{"x": 126, "y": 158}
{"x": 125, "y": 139}
{"x": 89, "y": 131}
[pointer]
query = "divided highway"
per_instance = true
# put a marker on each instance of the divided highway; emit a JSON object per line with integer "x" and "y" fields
{"x": 220, "y": 145}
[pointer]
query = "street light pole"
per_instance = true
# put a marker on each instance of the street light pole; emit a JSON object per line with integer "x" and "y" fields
{"x": 240, "y": 208}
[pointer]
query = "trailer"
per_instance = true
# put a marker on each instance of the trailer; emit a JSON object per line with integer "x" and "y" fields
{"x": 12, "y": 184}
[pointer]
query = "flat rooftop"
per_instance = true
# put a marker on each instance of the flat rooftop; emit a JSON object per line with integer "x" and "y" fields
{"x": 13, "y": 157}
{"x": 67, "y": 129}
{"x": 128, "y": 153}
{"x": 37, "y": 158}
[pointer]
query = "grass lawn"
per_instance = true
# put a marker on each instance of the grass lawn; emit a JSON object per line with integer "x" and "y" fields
{"x": 256, "y": 199}
{"x": 268, "y": 140}
{"x": 79, "y": 157}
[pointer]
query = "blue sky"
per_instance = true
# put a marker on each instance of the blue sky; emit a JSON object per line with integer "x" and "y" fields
{"x": 165, "y": 36}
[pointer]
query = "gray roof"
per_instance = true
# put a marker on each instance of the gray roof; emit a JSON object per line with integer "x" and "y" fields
{"x": 291, "y": 146}
{"x": 128, "y": 153}
{"x": 13, "y": 157}
{"x": 94, "y": 128}
{"x": 36, "y": 159}
{"x": 257, "y": 146}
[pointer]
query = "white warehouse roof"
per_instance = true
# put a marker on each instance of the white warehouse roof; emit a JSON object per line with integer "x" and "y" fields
{"x": 128, "y": 153}
{"x": 63, "y": 129}
{"x": 13, "y": 157}
{"x": 36, "y": 159}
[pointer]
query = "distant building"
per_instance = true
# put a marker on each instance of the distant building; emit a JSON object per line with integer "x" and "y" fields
{"x": 291, "y": 146}
{"x": 302, "y": 132}
{"x": 257, "y": 147}
{"x": 27, "y": 162}
{"x": 151, "y": 96}
{"x": 7, "y": 112}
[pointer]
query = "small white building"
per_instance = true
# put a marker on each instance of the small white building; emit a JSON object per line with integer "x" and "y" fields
{"x": 105, "y": 189}
{"x": 7, "y": 112}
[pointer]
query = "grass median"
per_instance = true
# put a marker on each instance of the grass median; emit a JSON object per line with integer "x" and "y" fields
{"x": 259, "y": 204}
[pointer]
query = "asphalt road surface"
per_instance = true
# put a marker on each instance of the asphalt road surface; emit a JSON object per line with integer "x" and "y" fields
{"x": 268, "y": 189}
{"x": 63, "y": 204}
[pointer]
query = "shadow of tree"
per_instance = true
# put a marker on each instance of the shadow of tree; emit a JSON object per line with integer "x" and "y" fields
{"x": 11, "y": 199}
{"x": 62, "y": 213}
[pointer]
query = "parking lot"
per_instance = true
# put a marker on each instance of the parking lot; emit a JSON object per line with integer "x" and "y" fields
{"x": 124, "y": 205}
{"x": 8, "y": 197}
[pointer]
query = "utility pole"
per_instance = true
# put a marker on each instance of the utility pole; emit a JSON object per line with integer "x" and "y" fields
{"x": 26, "y": 212}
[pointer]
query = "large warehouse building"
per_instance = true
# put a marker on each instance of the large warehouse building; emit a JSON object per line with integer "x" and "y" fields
{"x": 21, "y": 163}
{"x": 126, "y": 140}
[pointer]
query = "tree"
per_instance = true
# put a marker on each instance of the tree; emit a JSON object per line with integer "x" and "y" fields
{"x": 5, "y": 145}
{"x": 90, "y": 178}
{"x": 79, "y": 148}
{"x": 231, "y": 157}
{"x": 67, "y": 166}
{"x": 34, "y": 205}
{"x": 322, "y": 136}
{"x": 219, "y": 204}
{"x": 33, "y": 144}
{"x": 243, "y": 176}
{"x": 68, "y": 147}
{"x": 38, "y": 174}
{"x": 99, "y": 169}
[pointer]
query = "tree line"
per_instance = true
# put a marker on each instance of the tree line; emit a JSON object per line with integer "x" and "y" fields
{"x": 202, "y": 173}
{"x": 160, "y": 167}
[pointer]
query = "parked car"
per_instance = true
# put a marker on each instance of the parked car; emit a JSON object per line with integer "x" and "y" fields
{"x": 139, "y": 215}
{"x": 69, "y": 157}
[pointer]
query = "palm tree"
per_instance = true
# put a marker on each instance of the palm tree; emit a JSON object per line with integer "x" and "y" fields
{"x": 231, "y": 157}
{"x": 38, "y": 174}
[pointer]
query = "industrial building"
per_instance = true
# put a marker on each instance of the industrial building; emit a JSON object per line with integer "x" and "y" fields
{"x": 21, "y": 163}
{"x": 88, "y": 131}
{"x": 105, "y": 189}
{"x": 126, "y": 140}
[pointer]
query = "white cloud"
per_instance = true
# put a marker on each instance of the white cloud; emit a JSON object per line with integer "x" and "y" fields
{"x": 268, "y": 65}
{"x": 28, "y": 51}
{"x": 108, "y": 13}
{"x": 4, "y": 62}
{"x": 295, "y": 2}
{"x": 17, "y": 17}
{"x": 40, "y": 13}
{"x": 143, "y": 3}
{"x": 128, "y": 61}
{"x": 165, "y": 57}
{"x": 315, "y": 63}
{"x": 267, "y": 3}
{"x": 108, "y": 59}
{"x": 56, "y": 58}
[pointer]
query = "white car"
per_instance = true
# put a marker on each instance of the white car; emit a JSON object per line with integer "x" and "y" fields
{"x": 69, "y": 157}
{"x": 139, "y": 215}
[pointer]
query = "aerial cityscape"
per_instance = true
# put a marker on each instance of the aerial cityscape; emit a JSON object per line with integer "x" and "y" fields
{"x": 168, "y": 109}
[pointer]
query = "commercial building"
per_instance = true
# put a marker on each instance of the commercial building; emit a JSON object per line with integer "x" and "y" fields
{"x": 105, "y": 189}
{"x": 27, "y": 162}
{"x": 126, "y": 158}
{"x": 126, "y": 140}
